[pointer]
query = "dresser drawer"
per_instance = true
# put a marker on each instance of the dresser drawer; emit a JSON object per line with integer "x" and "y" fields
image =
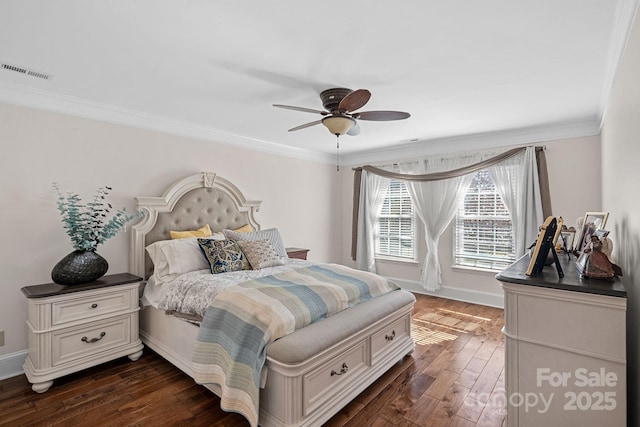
{"x": 89, "y": 306}
{"x": 326, "y": 381}
{"x": 86, "y": 340}
{"x": 381, "y": 340}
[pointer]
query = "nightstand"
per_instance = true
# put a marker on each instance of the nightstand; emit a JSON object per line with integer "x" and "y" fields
{"x": 299, "y": 253}
{"x": 75, "y": 327}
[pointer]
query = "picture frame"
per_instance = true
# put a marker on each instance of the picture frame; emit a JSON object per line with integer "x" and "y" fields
{"x": 591, "y": 222}
{"x": 567, "y": 238}
{"x": 559, "y": 226}
{"x": 544, "y": 244}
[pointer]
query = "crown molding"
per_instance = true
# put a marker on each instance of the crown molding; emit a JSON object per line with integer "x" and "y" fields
{"x": 57, "y": 103}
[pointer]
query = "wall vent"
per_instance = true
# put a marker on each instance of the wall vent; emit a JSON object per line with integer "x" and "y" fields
{"x": 26, "y": 71}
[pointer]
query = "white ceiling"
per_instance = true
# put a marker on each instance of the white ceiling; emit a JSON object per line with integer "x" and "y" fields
{"x": 468, "y": 71}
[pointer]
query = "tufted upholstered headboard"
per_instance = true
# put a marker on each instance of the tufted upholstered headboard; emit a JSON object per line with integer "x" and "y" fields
{"x": 188, "y": 204}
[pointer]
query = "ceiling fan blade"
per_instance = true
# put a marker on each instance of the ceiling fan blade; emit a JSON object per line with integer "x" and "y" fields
{"x": 355, "y": 130}
{"x": 381, "y": 116}
{"x": 306, "y": 110}
{"x": 306, "y": 125}
{"x": 354, "y": 100}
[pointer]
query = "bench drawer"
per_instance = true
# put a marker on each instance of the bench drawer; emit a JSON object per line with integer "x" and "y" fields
{"x": 326, "y": 381}
{"x": 382, "y": 340}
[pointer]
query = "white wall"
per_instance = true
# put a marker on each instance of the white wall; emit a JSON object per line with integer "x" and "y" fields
{"x": 39, "y": 148}
{"x": 620, "y": 170}
{"x": 574, "y": 175}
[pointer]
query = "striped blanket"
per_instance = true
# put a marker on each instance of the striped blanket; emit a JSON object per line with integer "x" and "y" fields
{"x": 242, "y": 320}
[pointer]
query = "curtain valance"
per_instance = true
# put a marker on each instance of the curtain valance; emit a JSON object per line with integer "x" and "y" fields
{"x": 484, "y": 164}
{"x": 444, "y": 175}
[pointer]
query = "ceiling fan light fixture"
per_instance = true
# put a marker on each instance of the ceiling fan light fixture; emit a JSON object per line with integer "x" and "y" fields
{"x": 338, "y": 125}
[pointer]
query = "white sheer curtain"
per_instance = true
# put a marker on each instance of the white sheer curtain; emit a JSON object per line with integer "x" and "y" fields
{"x": 373, "y": 189}
{"x": 516, "y": 181}
{"x": 436, "y": 203}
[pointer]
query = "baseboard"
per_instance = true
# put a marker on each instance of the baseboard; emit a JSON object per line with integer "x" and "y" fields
{"x": 450, "y": 292}
{"x": 11, "y": 364}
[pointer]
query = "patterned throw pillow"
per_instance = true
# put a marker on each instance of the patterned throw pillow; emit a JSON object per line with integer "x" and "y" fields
{"x": 223, "y": 255}
{"x": 260, "y": 254}
{"x": 271, "y": 234}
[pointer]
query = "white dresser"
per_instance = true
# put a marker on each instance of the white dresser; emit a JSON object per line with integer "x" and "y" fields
{"x": 565, "y": 348}
{"x": 74, "y": 327}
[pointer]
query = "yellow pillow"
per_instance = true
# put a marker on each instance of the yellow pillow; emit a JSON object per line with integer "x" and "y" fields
{"x": 204, "y": 231}
{"x": 247, "y": 228}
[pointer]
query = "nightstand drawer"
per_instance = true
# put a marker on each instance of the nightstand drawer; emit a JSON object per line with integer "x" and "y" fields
{"x": 80, "y": 342}
{"x": 89, "y": 306}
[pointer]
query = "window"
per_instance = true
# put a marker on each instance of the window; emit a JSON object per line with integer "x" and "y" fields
{"x": 395, "y": 235}
{"x": 483, "y": 231}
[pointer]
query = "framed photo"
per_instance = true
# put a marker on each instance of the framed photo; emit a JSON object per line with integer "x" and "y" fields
{"x": 567, "y": 238}
{"x": 592, "y": 221}
{"x": 542, "y": 247}
{"x": 559, "y": 226}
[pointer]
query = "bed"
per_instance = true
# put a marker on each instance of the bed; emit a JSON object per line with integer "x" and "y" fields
{"x": 310, "y": 374}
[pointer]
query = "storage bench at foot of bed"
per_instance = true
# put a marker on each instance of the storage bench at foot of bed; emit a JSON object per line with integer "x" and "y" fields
{"x": 312, "y": 375}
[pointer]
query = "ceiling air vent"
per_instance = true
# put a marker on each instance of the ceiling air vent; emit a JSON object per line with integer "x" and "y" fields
{"x": 26, "y": 71}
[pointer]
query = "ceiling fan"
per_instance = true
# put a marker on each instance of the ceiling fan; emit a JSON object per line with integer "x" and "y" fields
{"x": 340, "y": 111}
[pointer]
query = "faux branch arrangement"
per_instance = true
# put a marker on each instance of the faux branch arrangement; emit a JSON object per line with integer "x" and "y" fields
{"x": 87, "y": 224}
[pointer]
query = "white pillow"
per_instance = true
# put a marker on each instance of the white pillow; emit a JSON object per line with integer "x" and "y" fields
{"x": 160, "y": 263}
{"x": 173, "y": 257}
{"x": 270, "y": 234}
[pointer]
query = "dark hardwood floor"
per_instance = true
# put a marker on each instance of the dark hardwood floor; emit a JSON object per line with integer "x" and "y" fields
{"x": 455, "y": 377}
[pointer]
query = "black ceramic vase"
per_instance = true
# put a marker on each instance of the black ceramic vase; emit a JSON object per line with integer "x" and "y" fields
{"x": 79, "y": 267}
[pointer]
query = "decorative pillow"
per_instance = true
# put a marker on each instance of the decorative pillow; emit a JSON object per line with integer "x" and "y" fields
{"x": 270, "y": 234}
{"x": 260, "y": 254}
{"x": 173, "y": 257}
{"x": 247, "y": 228}
{"x": 204, "y": 231}
{"x": 223, "y": 255}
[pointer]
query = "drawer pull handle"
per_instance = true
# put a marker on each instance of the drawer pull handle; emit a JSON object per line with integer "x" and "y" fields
{"x": 94, "y": 305}
{"x": 92, "y": 340}
{"x": 390, "y": 337}
{"x": 344, "y": 370}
